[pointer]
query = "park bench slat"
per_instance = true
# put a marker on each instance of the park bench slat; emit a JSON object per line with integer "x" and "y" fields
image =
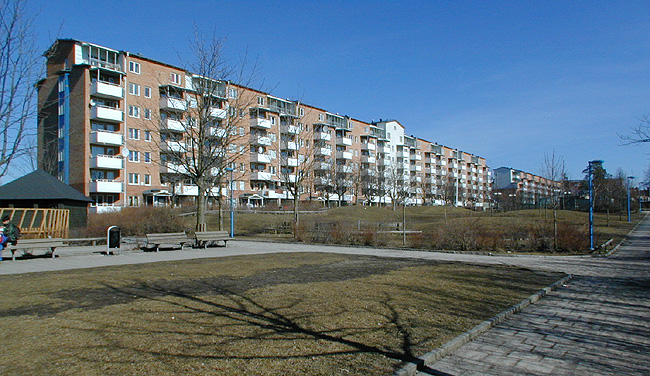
{"x": 203, "y": 238}
{"x": 24, "y": 244}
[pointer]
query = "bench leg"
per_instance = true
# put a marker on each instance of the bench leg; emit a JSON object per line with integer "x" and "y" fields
{"x": 13, "y": 255}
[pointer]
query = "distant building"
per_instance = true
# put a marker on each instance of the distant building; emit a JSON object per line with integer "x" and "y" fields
{"x": 520, "y": 189}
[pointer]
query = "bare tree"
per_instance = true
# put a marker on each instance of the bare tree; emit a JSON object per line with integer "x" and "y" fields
{"x": 297, "y": 157}
{"x": 553, "y": 169}
{"x": 639, "y": 134}
{"x": 18, "y": 73}
{"x": 200, "y": 135}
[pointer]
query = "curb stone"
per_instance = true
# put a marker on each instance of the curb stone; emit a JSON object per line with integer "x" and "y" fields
{"x": 431, "y": 357}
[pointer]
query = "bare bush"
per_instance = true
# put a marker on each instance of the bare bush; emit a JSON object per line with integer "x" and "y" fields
{"x": 136, "y": 221}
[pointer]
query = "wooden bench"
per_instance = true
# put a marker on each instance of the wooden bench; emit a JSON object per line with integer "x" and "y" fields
{"x": 50, "y": 244}
{"x": 170, "y": 238}
{"x": 203, "y": 238}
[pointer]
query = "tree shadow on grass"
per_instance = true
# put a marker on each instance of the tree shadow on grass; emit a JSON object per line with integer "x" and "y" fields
{"x": 233, "y": 311}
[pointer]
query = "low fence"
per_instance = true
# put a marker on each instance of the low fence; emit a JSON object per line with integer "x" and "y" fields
{"x": 37, "y": 223}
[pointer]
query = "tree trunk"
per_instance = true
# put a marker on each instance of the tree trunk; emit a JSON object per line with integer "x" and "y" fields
{"x": 296, "y": 216}
{"x": 220, "y": 213}
{"x": 200, "y": 209}
{"x": 554, "y": 230}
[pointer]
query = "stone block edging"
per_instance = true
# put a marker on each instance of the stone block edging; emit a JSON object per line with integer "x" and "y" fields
{"x": 429, "y": 358}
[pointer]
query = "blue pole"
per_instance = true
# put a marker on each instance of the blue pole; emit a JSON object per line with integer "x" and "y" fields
{"x": 232, "y": 209}
{"x": 591, "y": 208}
{"x": 629, "y": 213}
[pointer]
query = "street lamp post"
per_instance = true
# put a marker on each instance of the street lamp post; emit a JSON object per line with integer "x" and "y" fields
{"x": 591, "y": 202}
{"x": 232, "y": 206}
{"x": 629, "y": 210}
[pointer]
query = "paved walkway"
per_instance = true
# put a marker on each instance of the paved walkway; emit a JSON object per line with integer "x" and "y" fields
{"x": 598, "y": 325}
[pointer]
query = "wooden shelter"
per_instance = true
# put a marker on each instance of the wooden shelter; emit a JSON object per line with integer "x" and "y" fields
{"x": 40, "y": 190}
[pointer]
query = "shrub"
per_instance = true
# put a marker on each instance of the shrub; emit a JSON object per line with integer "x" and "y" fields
{"x": 572, "y": 238}
{"x": 136, "y": 221}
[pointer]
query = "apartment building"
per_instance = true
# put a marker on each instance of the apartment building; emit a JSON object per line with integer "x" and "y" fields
{"x": 124, "y": 130}
{"x": 520, "y": 188}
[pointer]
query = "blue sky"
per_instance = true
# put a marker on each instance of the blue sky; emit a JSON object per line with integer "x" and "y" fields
{"x": 509, "y": 81}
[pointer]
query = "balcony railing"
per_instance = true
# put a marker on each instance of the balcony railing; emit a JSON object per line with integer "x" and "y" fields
{"x": 104, "y": 113}
{"x": 106, "y": 138}
{"x": 323, "y": 151}
{"x": 106, "y": 90}
{"x": 173, "y": 125}
{"x": 110, "y": 162}
{"x": 261, "y": 123}
{"x": 322, "y": 136}
{"x": 173, "y": 104}
{"x": 218, "y": 113}
{"x": 291, "y": 162}
{"x": 368, "y": 146}
{"x": 260, "y": 175}
{"x": 347, "y": 141}
{"x": 368, "y": 159}
{"x": 106, "y": 186}
{"x": 290, "y": 129}
{"x": 343, "y": 155}
{"x": 260, "y": 158}
{"x": 289, "y": 145}
{"x": 260, "y": 140}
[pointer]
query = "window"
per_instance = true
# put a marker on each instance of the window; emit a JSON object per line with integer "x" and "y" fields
{"x": 301, "y": 111}
{"x": 134, "y": 134}
{"x": 242, "y": 186}
{"x": 134, "y": 89}
{"x": 260, "y": 101}
{"x": 147, "y": 135}
{"x": 147, "y": 179}
{"x": 147, "y": 157}
{"x": 176, "y": 78}
{"x": 134, "y": 201}
{"x": 232, "y": 93}
{"x": 147, "y": 92}
{"x": 134, "y": 178}
{"x": 134, "y": 156}
{"x": 321, "y": 117}
{"x": 272, "y": 120}
{"x": 147, "y": 114}
{"x": 134, "y": 67}
{"x": 134, "y": 111}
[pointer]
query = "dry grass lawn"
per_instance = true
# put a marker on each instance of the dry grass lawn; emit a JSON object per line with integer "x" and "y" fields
{"x": 277, "y": 314}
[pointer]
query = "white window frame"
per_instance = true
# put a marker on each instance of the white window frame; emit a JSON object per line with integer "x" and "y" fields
{"x": 134, "y": 178}
{"x": 147, "y": 114}
{"x": 147, "y": 179}
{"x": 134, "y": 111}
{"x": 134, "y": 67}
{"x": 176, "y": 78}
{"x": 134, "y": 89}
{"x": 134, "y": 134}
{"x": 147, "y": 135}
{"x": 134, "y": 156}
{"x": 146, "y": 157}
{"x": 147, "y": 92}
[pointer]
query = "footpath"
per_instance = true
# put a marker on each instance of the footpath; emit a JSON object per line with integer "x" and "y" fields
{"x": 599, "y": 324}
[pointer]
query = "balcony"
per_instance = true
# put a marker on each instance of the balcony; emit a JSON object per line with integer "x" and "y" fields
{"x": 369, "y": 172}
{"x": 260, "y": 140}
{"x": 260, "y": 175}
{"x": 344, "y": 169}
{"x": 417, "y": 179}
{"x": 173, "y": 104}
{"x": 366, "y": 146}
{"x": 415, "y": 157}
{"x": 322, "y": 166}
{"x": 261, "y": 123}
{"x": 291, "y": 162}
{"x": 402, "y": 154}
{"x": 368, "y": 159}
{"x": 219, "y": 113}
{"x": 260, "y": 158}
{"x": 218, "y": 132}
{"x": 383, "y": 162}
{"x": 289, "y": 178}
{"x": 417, "y": 168}
{"x": 106, "y": 138}
{"x": 290, "y": 129}
{"x": 173, "y": 168}
{"x": 173, "y": 125}
{"x": 319, "y": 180}
{"x": 106, "y": 114}
{"x": 343, "y": 155}
{"x": 322, "y": 136}
{"x": 347, "y": 141}
{"x": 175, "y": 146}
{"x": 106, "y": 90}
{"x": 109, "y": 162}
{"x": 383, "y": 149}
{"x": 106, "y": 186}
{"x": 289, "y": 145}
{"x": 323, "y": 151}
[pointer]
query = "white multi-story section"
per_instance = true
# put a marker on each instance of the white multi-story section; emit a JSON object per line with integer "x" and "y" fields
{"x": 527, "y": 188}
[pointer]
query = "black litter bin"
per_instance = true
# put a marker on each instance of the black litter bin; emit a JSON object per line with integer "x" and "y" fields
{"x": 113, "y": 239}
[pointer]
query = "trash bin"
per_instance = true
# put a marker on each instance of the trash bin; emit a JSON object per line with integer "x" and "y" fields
{"x": 113, "y": 239}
